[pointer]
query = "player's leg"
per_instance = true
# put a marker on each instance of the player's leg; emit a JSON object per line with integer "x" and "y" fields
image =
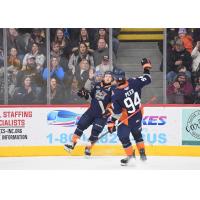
{"x": 123, "y": 133}
{"x": 139, "y": 142}
{"x": 98, "y": 126}
{"x": 84, "y": 122}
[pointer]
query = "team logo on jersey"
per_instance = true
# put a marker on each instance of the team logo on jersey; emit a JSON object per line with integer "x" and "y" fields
{"x": 100, "y": 95}
{"x": 63, "y": 118}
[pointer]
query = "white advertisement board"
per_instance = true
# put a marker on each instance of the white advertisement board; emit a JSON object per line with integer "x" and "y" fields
{"x": 44, "y": 126}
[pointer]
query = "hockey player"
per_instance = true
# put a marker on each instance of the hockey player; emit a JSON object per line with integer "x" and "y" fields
{"x": 96, "y": 114}
{"x": 127, "y": 100}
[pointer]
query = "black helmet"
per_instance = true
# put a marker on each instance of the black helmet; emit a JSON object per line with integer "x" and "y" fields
{"x": 119, "y": 74}
{"x": 108, "y": 72}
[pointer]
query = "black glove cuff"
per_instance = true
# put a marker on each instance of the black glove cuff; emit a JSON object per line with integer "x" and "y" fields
{"x": 146, "y": 71}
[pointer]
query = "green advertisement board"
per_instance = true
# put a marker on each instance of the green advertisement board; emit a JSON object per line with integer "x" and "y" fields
{"x": 191, "y": 127}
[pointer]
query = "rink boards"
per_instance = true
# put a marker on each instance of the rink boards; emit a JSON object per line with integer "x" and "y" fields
{"x": 171, "y": 130}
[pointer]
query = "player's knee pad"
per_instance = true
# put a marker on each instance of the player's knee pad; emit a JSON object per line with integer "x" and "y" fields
{"x": 82, "y": 125}
{"x": 79, "y": 131}
{"x": 96, "y": 130}
{"x": 137, "y": 135}
{"x": 125, "y": 142}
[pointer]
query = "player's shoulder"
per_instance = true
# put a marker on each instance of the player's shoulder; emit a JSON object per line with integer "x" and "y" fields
{"x": 132, "y": 80}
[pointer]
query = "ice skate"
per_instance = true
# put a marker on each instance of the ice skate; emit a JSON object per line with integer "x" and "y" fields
{"x": 126, "y": 161}
{"x": 69, "y": 147}
{"x": 143, "y": 156}
{"x": 87, "y": 152}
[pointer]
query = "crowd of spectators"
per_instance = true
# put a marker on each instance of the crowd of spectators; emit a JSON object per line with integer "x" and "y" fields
{"x": 183, "y": 66}
{"x": 77, "y": 55}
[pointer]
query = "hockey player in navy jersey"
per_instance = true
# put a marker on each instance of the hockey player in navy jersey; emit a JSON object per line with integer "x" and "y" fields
{"x": 127, "y": 100}
{"x": 96, "y": 114}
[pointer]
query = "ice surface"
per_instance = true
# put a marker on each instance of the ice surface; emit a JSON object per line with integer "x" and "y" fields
{"x": 99, "y": 162}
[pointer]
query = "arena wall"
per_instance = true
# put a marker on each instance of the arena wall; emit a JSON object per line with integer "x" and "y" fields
{"x": 168, "y": 130}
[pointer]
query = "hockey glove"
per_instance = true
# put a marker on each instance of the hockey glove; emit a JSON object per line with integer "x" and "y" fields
{"x": 83, "y": 93}
{"x": 146, "y": 63}
{"x": 108, "y": 112}
{"x": 111, "y": 126}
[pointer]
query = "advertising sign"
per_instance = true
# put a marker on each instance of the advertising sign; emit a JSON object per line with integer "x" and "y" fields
{"x": 191, "y": 127}
{"x": 44, "y": 126}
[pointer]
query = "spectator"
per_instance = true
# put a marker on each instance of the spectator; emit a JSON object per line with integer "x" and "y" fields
{"x": 196, "y": 58}
{"x": 14, "y": 39}
{"x": 56, "y": 53}
{"x": 186, "y": 39}
{"x": 56, "y": 71}
{"x": 30, "y": 69}
{"x": 39, "y": 58}
{"x": 104, "y": 66}
{"x": 74, "y": 89}
{"x": 83, "y": 38}
{"x": 56, "y": 92}
{"x": 84, "y": 73}
{"x": 13, "y": 59}
{"x": 27, "y": 93}
{"x": 37, "y": 37}
{"x": 64, "y": 43}
{"x": 197, "y": 91}
{"x": 101, "y": 51}
{"x": 102, "y": 34}
{"x": 94, "y": 77}
{"x": 177, "y": 57}
{"x": 76, "y": 57}
{"x": 180, "y": 91}
{"x": 14, "y": 67}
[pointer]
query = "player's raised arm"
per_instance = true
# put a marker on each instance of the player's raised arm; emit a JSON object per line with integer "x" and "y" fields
{"x": 145, "y": 79}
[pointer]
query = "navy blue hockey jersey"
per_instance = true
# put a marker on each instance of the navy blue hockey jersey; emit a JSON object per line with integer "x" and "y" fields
{"x": 101, "y": 97}
{"x": 127, "y": 99}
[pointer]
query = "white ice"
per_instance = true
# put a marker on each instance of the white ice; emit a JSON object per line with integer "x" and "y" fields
{"x": 99, "y": 163}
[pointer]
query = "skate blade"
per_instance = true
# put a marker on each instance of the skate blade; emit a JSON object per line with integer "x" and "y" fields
{"x": 131, "y": 162}
{"x": 87, "y": 156}
{"x": 124, "y": 164}
{"x": 67, "y": 149}
{"x": 143, "y": 159}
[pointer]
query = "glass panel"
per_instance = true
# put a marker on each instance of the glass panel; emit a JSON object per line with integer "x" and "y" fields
{"x": 26, "y": 60}
{"x": 72, "y": 49}
{"x": 83, "y": 55}
{"x": 183, "y": 65}
{"x": 1, "y": 68}
{"x": 138, "y": 43}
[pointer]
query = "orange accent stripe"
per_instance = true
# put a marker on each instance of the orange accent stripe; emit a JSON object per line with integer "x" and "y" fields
{"x": 89, "y": 146}
{"x": 129, "y": 151}
{"x": 124, "y": 116}
{"x": 142, "y": 110}
{"x": 140, "y": 145}
{"x": 123, "y": 86}
{"x": 75, "y": 138}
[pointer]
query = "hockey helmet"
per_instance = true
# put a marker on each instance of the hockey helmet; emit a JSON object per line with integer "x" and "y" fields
{"x": 108, "y": 72}
{"x": 119, "y": 74}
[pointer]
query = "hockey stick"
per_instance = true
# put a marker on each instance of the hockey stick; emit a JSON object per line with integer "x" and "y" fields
{"x": 134, "y": 113}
